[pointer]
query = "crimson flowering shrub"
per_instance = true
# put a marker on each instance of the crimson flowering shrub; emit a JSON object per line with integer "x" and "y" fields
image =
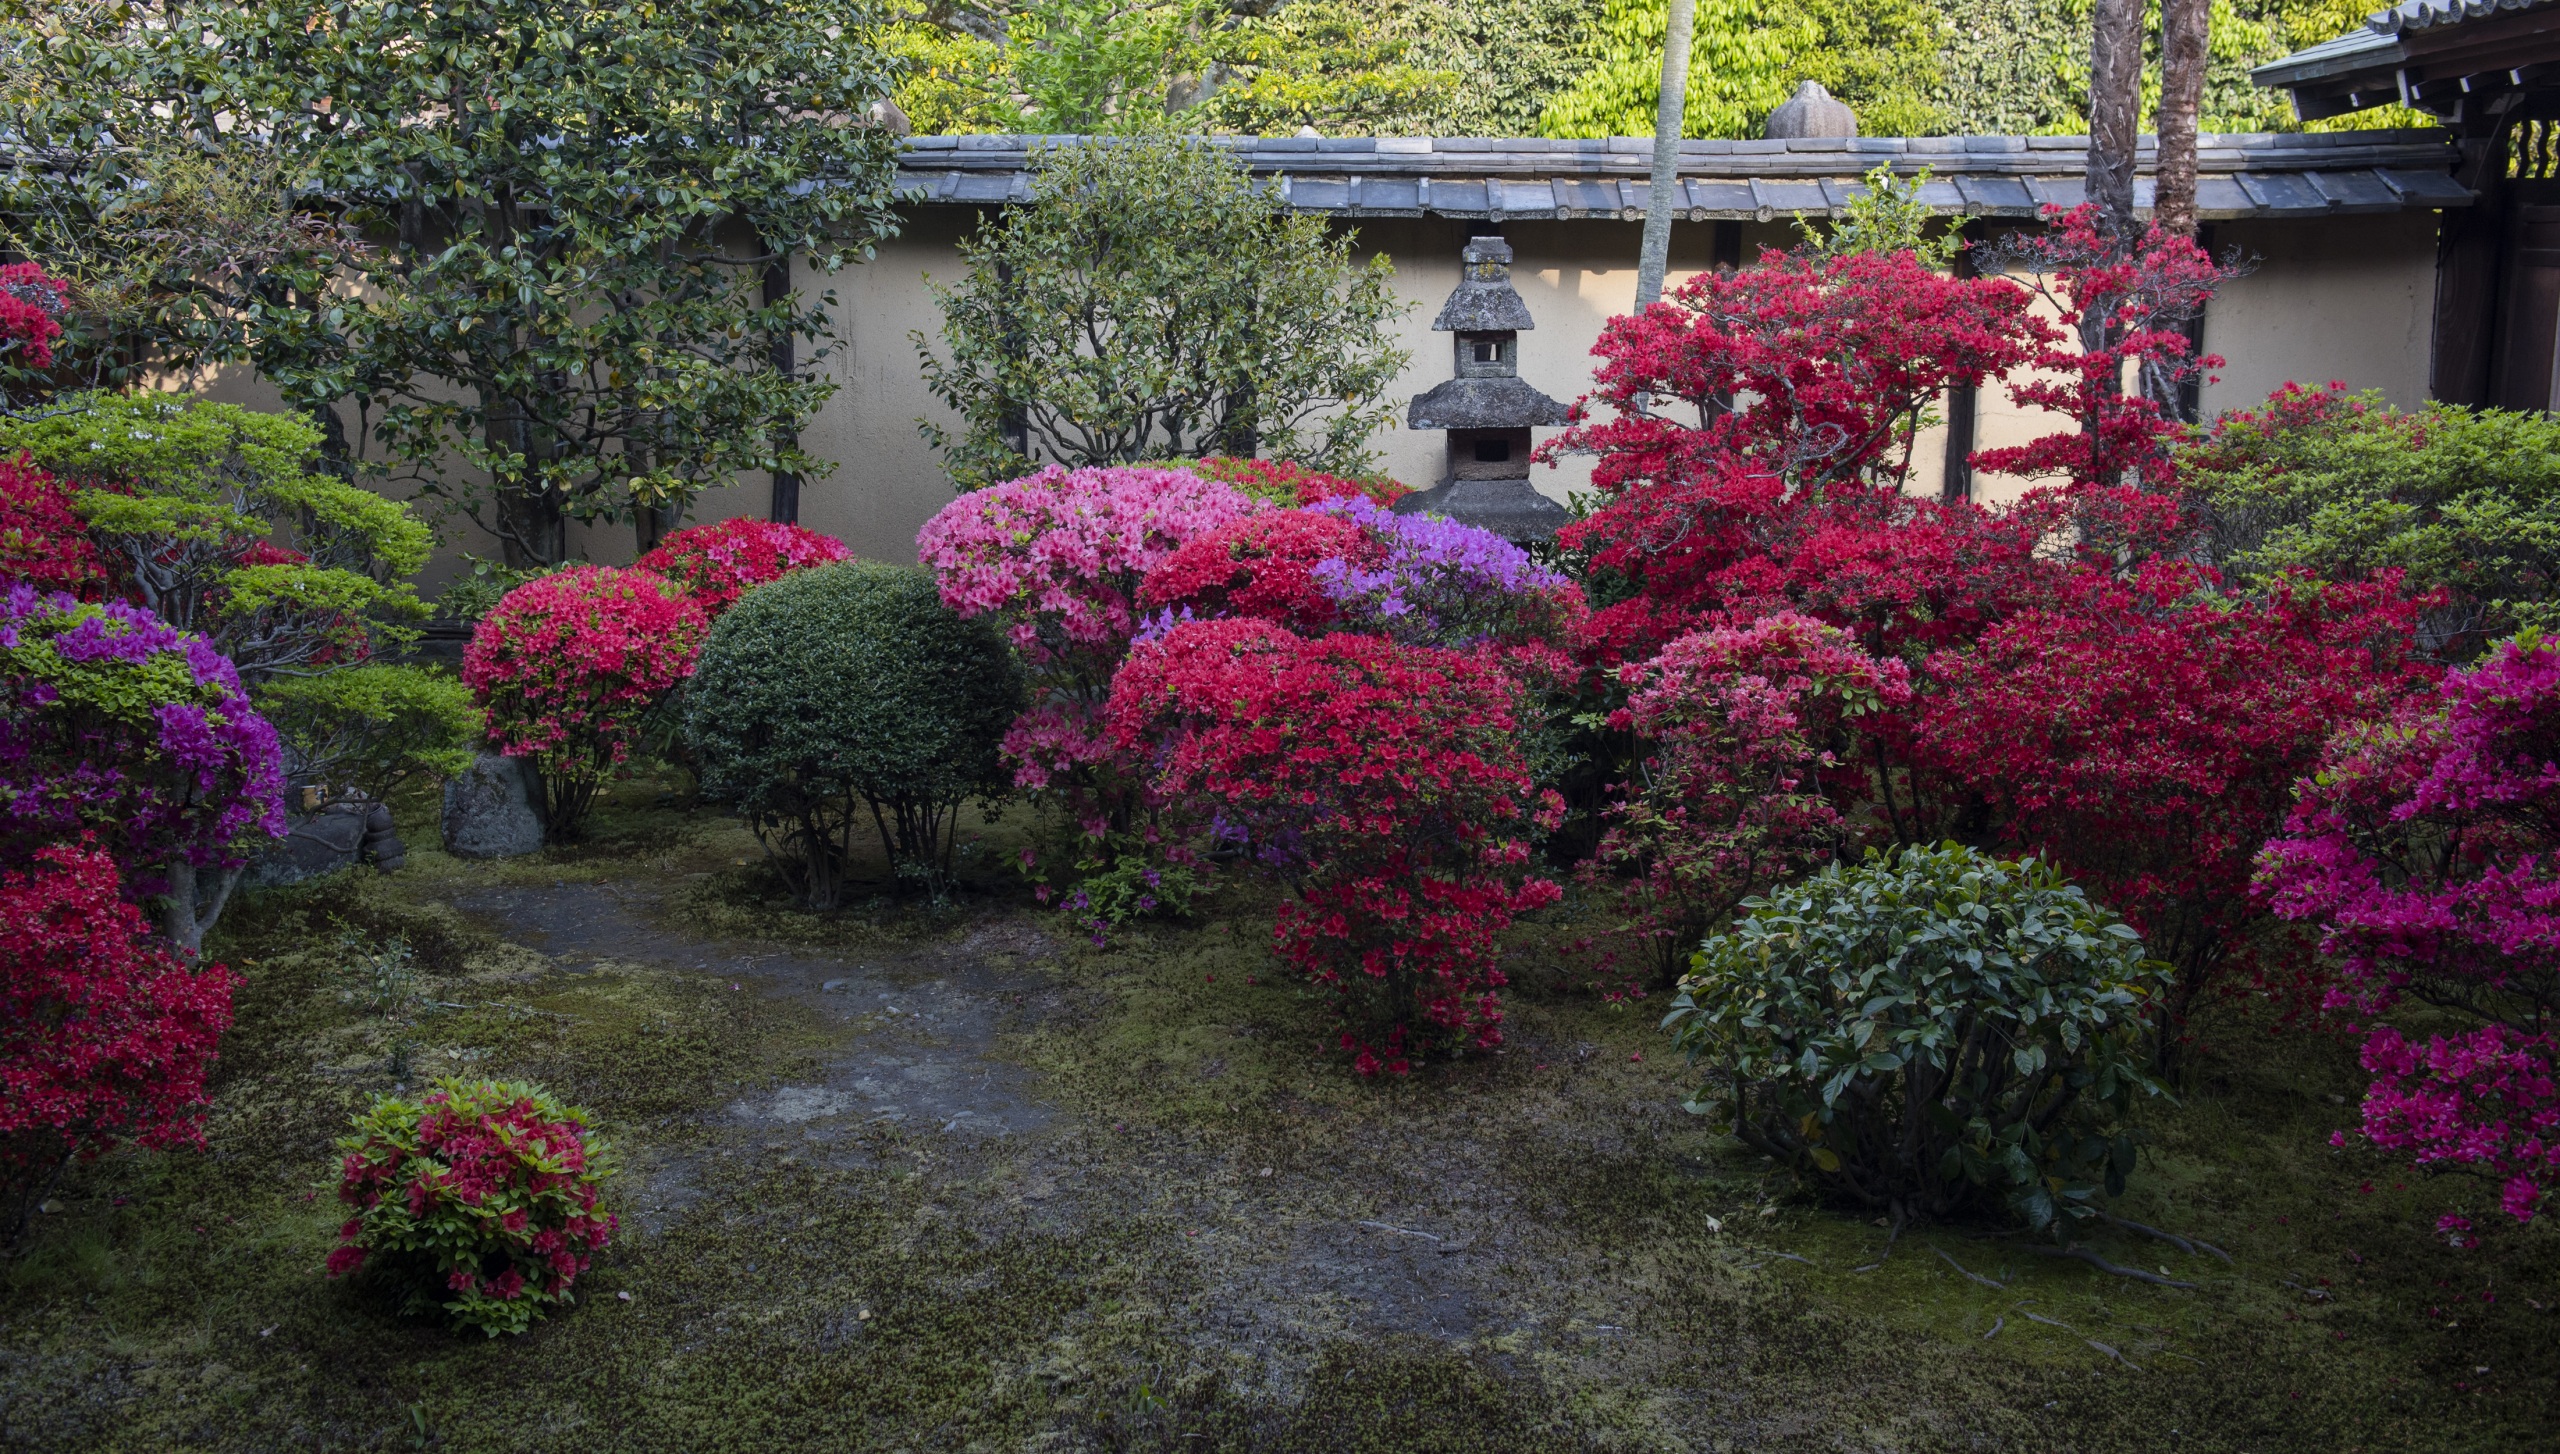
{"x": 719, "y": 562}
{"x": 569, "y": 665}
{"x": 1384, "y": 783}
{"x": 1059, "y": 558}
{"x": 480, "y": 1198}
{"x": 31, "y": 307}
{"x": 1749, "y": 775}
{"x": 1263, "y": 566}
{"x": 42, "y": 541}
{"x": 122, "y": 726}
{"x": 2426, "y": 851}
{"x": 1290, "y": 484}
{"x": 2146, "y": 735}
{"x": 2123, "y": 305}
{"x": 104, "y": 1033}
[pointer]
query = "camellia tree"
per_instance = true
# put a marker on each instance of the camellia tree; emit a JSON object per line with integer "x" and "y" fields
{"x": 1152, "y": 303}
{"x": 576, "y": 304}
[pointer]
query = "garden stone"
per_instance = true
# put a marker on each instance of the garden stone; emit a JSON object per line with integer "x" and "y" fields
{"x": 323, "y": 843}
{"x": 493, "y": 810}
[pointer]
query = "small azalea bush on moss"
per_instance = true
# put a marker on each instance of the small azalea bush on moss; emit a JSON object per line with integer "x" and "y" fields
{"x": 1928, "y": 1033}
{"x": 2426, "y": 851}
{"x": 1384, "y": 783}
{"x": 568, "y": 667}
{"x": 105, "y": 1034}
{"x": 479, "y": 1199}
{"x": 122, "y": 726}
{"x": 719, "y": 562}
{"x": 1749, "y": 773}
{"x": 43, "y": 541}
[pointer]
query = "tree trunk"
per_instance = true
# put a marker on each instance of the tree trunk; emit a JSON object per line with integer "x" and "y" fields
{"x": 784, "y": 508}
{"x": 531, "y": 529}
{"x": 180, "y": 920}
{"x": 2115, "y": 111}
{"x": 2185, "y": 28}
{"x": 1669, "y": 112}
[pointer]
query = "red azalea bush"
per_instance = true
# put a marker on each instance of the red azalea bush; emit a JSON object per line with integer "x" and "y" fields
{"x": 720, "y": 561}
{"x": 1288, "y": 483}
{"x": 104, "y": 1033}
{"x": 2426, "y": 851}
{"x": 31, "y": 307}
{"x": 2123, "y": 305}
{"x": 1384, "y": 783}
{"x": 1263, "y": 566}
{"x": 2146, "y": 736}
{"x": 568, "y": 665}
{"x": 42, "y": 542}
{"x": 481, "y": 1198}
{"x": 1749, "y": 774}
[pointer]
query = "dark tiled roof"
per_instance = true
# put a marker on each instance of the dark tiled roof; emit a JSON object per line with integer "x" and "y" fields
{"x": 2427, "y": 14}
{"x": 2249, "y": 175}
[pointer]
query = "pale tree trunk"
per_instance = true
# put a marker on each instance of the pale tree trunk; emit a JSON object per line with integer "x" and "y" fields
{"x": 1668, "y": 114}
{"x": 2115, "y": 111}
{"x": 2185, "y": 26}
{"x": 181, "y": 920}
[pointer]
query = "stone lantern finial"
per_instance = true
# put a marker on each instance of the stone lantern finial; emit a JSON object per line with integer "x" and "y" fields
{"x": 1811, "y": 111}
{"x": 1487, "y": 409}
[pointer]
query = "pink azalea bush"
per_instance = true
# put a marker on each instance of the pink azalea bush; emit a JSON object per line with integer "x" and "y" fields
{"x": 2426, "y": 850}
{"x": 568, "y": 665}
{"x": 481, "y": 1197}
{"x": 721, "y": 561}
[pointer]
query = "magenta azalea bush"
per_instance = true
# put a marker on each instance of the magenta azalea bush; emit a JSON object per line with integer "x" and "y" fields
{"x": 1058, "y": 557}
{"x": 2426, "y": 850}
{"x": 123, "y": 727}
{"x": 480, "y": 1199}
{"x": 722, "y": 561}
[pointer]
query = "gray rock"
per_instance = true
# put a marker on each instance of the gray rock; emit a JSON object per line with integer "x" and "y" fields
{"x": 323, "y": 843}
{"x": 493, "y": 810}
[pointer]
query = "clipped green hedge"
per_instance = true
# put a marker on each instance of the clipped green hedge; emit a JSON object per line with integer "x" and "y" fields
{"x": 850, "y": 693}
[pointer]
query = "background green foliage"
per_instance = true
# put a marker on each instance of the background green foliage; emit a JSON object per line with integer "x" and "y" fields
{"x": 2460, "y": 501}
{"x": 1152, "y": 303}
{"x": 850, "y": 692}
{"x": 1564, "y": 68}
{"x": 369, "y": 731}
{"x": 177, "y": 488}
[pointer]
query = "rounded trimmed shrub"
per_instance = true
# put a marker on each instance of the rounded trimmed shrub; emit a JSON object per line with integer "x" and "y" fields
{"x": 722, "y": 561}
{"x": 847, "y": 692}
{"x": 1929, "y": 1032}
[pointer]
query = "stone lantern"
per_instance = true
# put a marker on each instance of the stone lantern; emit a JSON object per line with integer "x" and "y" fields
{"x": 1487, "y": 410}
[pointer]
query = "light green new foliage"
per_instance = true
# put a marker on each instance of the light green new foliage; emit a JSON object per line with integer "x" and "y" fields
{"x": 2458, "y": 500}
{"x": 1929, "y": 1032}
{"x": 1153, "y": 303}
{"x": 847, "y": 692}
{"x": 369, "y": 731}
{"x": 172, "y": 486}
{"x": 1888, "y": 216}
{"x": 1746, "y": 59}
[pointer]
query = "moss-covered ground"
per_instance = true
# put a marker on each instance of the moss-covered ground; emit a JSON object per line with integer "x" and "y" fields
{"x": 953, "y": 1180}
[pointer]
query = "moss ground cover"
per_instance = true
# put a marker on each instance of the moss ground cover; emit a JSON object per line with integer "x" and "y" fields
{"x": 918, "y": 1179}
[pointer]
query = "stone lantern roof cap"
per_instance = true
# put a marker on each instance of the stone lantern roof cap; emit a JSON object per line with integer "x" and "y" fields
{"x": 1484, "y": 300}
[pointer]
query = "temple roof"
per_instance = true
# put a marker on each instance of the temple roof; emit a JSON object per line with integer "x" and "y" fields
{"x": 2239, "y": 175}
{"x": 2438, "y": 55}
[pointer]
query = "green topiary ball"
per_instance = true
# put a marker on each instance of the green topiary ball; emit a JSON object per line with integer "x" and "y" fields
{"x": 845, "y": 693}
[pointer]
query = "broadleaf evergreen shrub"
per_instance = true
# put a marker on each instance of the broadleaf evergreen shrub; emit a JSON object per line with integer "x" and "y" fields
{"x": 364, "y": 733}
{"x": 1930, "y": 1032}
{"x": 480, "y": 1198}
{"x": 850, "y": 693}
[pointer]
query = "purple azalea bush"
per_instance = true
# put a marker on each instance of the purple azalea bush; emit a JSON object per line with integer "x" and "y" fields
{"x": 1440, "y": 583}
{"x": 124, "y": 727}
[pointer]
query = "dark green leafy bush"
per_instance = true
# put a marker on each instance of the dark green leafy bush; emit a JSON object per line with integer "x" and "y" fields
{"x": 1930, "y": 1033}
{"x": 845, "y": 692}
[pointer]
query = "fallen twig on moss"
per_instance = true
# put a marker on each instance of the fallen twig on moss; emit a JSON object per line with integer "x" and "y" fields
{"x": 2188, "y": 1245}
{"x": 1970, "y": 1276}
{"x": 2082, "y": 1254}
